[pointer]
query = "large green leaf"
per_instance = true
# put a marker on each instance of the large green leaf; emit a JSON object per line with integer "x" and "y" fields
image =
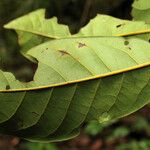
{"x": 33, "y": 28}
{"x": 55, "y": 58}
{"x": 77, "y": 80}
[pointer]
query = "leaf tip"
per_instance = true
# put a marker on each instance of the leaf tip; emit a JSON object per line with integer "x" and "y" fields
{"x": 6, "y": 26}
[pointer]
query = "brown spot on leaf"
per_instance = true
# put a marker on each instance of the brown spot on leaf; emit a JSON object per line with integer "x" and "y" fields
{"x": 7, "y": 87}
{"x": 81, "y": 45}
{"x": 63, "y": 52}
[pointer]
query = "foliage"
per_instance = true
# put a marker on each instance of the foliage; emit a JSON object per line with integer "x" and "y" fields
{"x": 129, "y": 133}
{"x": 141, "y": 10}
{"x": 94, "y": 128}
{"x": 135, "y": 145}
{"x": 38, "y": 146}
{"x": 79, "y": 78}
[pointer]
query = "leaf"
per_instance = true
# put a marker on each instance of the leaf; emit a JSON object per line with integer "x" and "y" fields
{"x": 29, "y": 40}
{"x": 33, "y": 28}
{"x": 141, "y": 4}
{"x": 104, "y": 25}
{"x": 77, "y": 80}
{"x": 143, "y": 15}
{"x": 141, "y": 11}
{"x": 71, "y": 135}
{"x": 36, "y": 23}
{"x": 58, "y": 54}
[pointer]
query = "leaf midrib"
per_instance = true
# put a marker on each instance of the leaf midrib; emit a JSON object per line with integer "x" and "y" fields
{"x": 136, "y": 67}
{"x": 74, "y": 35}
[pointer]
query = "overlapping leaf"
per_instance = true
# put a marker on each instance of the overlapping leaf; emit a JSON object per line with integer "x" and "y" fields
{"x": 141, "y": 11}
{"x": 104, "y": 25}
{"x": 141, "y": 4}
{"x": 33, "y": 28}
{"x": 143, "y": 15}
{"x": 79, "y": 78}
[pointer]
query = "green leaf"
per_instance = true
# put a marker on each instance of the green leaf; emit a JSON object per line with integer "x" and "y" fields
{"x": 141, "y": 11}
{"x": 69, "y": 53}
{"x": 77, "y": 80}
{"x": 141, "y": 4}
{"x": 56, "y": 138}
{"x": 101, "y": 25}
{"x": 143, "y": 15}
{"x": 33, "y": 29}
{"x": 29, "y": 40}
{"x": 36, "y": 23}
{"x": 104, "y": 25}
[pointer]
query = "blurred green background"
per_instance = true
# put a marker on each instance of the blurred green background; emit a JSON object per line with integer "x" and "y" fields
{"x": 129, "y": 133}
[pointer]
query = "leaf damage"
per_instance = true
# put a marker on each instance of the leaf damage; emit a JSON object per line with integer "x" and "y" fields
{"x": 80, "y": 45}
{"x": 63, "y": 52}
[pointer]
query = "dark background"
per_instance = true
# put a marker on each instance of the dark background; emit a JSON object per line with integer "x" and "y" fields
{"x": 129, "y": 133}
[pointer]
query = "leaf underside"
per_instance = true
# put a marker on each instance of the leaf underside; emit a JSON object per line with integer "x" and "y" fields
{"x": 34, "y": 27}
{"x": 79, "y": 78}
{"x": 141, "y": 12}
